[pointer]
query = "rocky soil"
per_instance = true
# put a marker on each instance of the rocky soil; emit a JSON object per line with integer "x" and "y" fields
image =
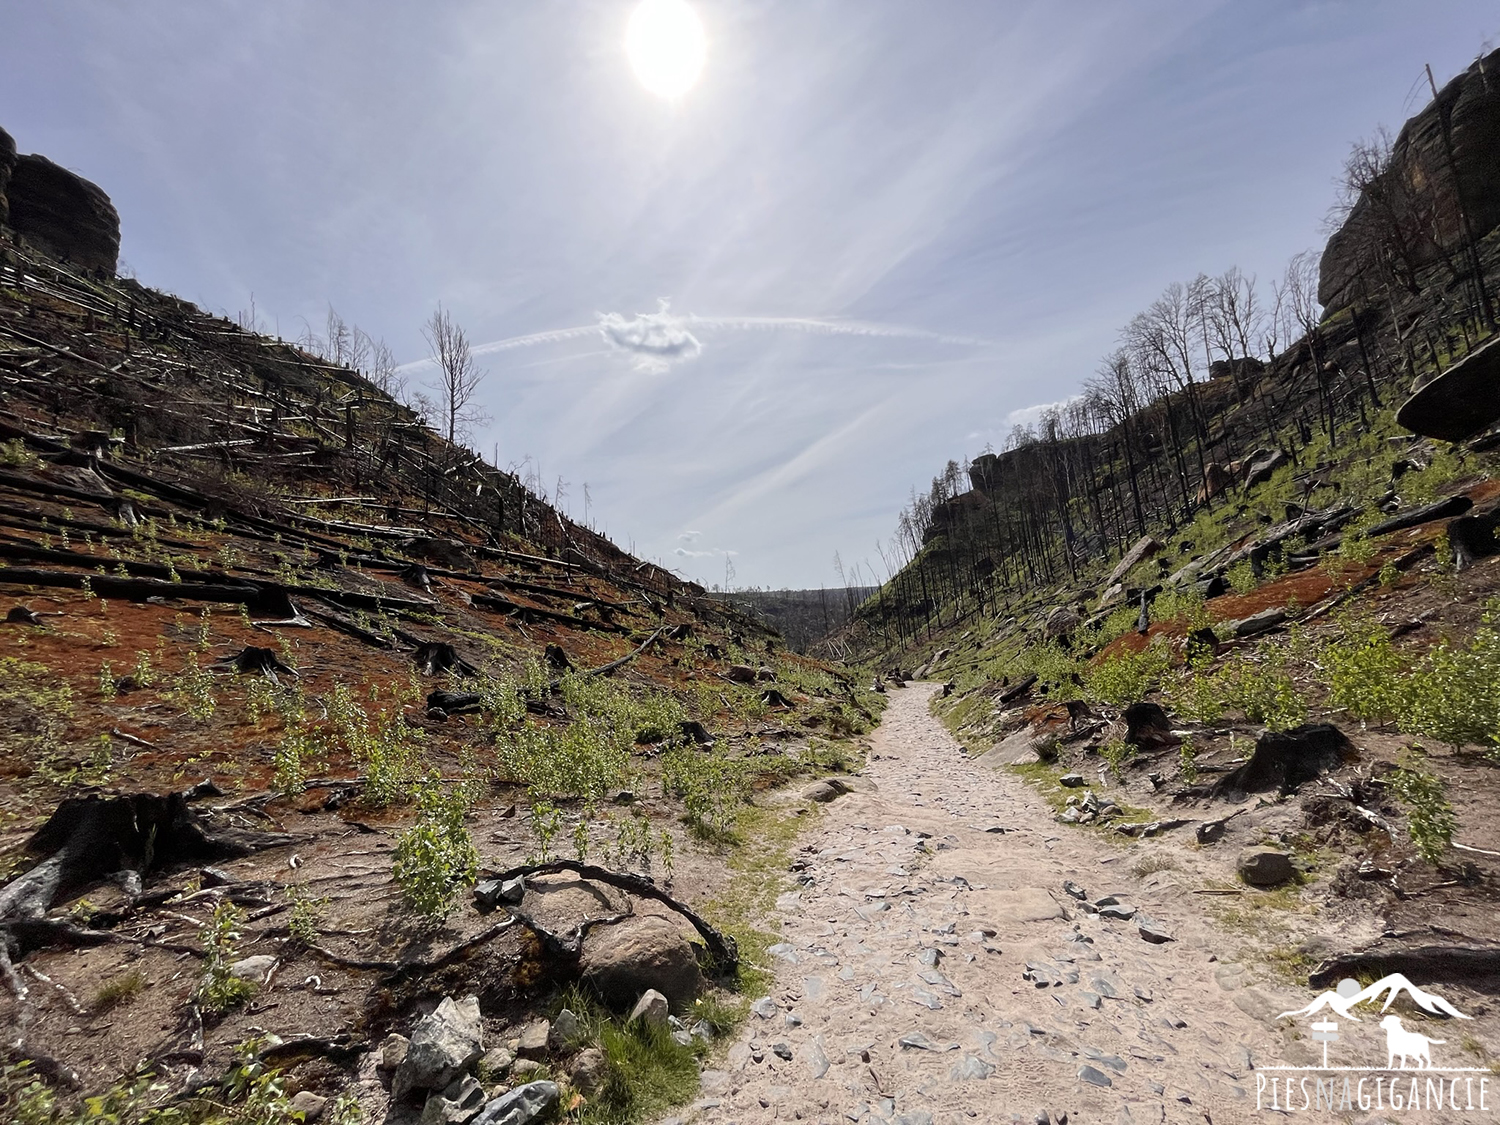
{"x": 937, "y": 964}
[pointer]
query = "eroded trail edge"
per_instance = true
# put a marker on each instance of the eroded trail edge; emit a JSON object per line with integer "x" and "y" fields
{"x": 934, "y": 970}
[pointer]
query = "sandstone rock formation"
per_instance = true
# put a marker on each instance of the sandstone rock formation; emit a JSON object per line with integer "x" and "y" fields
{"x": 1421, "y": 177}
{"x": 56, "y": 211}
{"x": 7, "y": 166}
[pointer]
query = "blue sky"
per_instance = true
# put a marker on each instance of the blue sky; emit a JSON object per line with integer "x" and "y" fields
{"x": 884, "y": 226}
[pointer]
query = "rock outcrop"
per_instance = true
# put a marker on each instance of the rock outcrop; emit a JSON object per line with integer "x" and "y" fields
{"x": 56, "y": 211}
{"x": 1419, "y": 192}
{"x": 7, "y": 166}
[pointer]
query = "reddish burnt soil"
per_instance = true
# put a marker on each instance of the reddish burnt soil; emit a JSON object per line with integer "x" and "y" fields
{"x": 339, "y": 494}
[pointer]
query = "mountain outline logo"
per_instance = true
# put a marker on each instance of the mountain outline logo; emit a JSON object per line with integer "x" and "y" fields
{"x": 1409, "y": 1078}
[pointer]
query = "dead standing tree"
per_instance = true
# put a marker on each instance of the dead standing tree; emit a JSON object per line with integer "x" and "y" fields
{"x": 458, "y": 378}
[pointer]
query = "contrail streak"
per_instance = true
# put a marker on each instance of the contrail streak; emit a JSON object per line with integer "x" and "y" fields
{"x": 815, "y": 325}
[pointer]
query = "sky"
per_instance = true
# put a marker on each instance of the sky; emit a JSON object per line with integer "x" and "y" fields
{"x": 731, "y": 329}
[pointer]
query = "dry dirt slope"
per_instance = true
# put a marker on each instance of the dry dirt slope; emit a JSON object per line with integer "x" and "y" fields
{"x": 186, "y": 507}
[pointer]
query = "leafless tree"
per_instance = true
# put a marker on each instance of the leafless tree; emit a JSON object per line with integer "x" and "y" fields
{"x": 458, "y": 378}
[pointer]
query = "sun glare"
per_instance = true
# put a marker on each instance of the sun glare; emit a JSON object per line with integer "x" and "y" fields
{"x": 666, "y": 46}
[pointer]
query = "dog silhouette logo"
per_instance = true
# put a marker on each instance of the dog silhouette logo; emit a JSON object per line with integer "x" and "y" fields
{"x": 1406, "y": 1044}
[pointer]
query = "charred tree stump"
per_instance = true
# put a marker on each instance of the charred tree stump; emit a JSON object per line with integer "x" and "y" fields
{"x": 1283, "y": 760}
{"x": 91, "y": 838}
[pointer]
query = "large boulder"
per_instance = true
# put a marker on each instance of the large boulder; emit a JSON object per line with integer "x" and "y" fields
{"x": 621, "y": 962}
{"x": 1061, "y": 621}
{"x": 1266, "y": 867}
{"x": 1148, "y": 726}
{"x": 1143, "y": 548}
{"x": 444, "y": 1045}
{"x": 1262, "y": 465}
{"x": 63, "y": 214}
{"x": 1461, "y": 401}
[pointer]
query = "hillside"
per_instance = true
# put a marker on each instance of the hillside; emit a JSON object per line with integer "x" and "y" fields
{"x": 805, "y": 618}
{"x": 284, "y": 673}
{"x": 1224, "y": 597}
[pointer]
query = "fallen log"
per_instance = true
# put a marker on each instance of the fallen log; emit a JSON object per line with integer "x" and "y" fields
{"x": 1016, "y": 690}
{"x": 721, "y": 947}
{"x": 1428, "y": 963}
{"x": 137, "y": 589}
{"x": 606, "y": 669}
{"x": 1442, "y": 509}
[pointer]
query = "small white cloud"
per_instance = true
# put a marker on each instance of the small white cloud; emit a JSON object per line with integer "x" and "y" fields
{"x": 656, "y": 340}
{"x": 688, "y": 536}
{"x": 1031, "y": 415}
{"x": 712, "y": 552}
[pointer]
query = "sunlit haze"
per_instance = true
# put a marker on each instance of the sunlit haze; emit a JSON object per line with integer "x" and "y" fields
{"x": 666, "y": 47}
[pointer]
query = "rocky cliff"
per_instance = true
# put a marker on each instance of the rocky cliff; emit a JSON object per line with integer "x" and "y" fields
{"x": 1420, "y": 196}
{"x": 56, "y": 211}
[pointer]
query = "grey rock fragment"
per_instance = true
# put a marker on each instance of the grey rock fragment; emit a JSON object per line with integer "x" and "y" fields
{"x": 652, "y": 1007}
{"x": 458, "y": 1103}
{"x": 393, "y": 1050}
{"x": 534, "y": 1037}
{"x": 308, "y": 1104}
{"x": 444, "y": 1044}
{"x": 565, "y": 1031}
{"x": 588, "y": 1069}
{"x": 970, "y": 1068}
{"x": 521, "y": 1105}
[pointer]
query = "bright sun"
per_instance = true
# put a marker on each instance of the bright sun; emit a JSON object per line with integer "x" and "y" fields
{"x": 666, "y": 46}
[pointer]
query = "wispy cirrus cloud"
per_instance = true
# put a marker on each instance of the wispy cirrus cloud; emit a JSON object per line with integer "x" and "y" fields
{"x": 657, "y": 341}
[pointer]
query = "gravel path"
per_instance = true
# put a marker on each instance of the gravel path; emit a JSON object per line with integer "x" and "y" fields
{"x": 902, "y": 991}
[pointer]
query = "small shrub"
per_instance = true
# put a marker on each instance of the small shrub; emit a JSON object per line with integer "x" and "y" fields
{"x": 1126, "y": 678}
{"x": 15, "y": 455}
{"x": 1184, "y": 604}
{"x": 1116, "y": 753}
{"x": 1364, "y": 672}
{"x": 546, "y": 822}
{"x": 1195, "y": 693}
{"x": 436, "y": 855}
{"x": 1187, "y": 759}
{"x": 391, "y": 752}
{"x": 307, "y": 912}
{"x": 1454, "y": 694}
{"x": 1055, "y": 666}
{"x": 1429, "y": 816}
{"x": 711, "y": 785}
{"x": 218, "y": 991}
{"x": 34, "y": 707}
{"x": 1241, "y": 577}
{"x": 1263, "y": 691}
{"x": 195, "y": 688}
{"x": 585, "y": 759}
{"x": 1356, "y": 548}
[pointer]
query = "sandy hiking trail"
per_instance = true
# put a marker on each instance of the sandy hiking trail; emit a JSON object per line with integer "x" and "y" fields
{"x": 901, "y": 993}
